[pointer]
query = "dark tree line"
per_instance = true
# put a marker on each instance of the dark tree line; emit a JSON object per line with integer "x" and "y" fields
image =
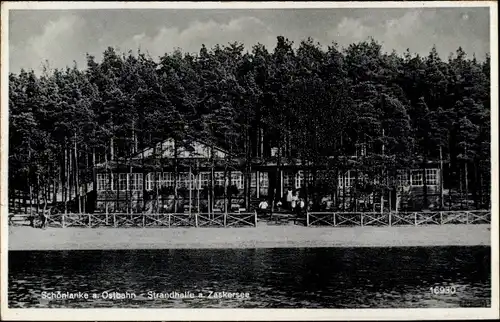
{"x": 320, "y": 106}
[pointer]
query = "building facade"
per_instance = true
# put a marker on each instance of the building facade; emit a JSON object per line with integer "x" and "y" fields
{"x": 196, "y": 176}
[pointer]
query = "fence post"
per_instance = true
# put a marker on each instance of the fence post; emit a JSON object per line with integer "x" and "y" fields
{"x": 255, "y": 214}
{"x": 225, "y": 218}
{"x": 467, "y": 217}
{"x": 114, "y": 220}
{"x": 143, "y": 221}
{"x": 334, "y": 219}
{"x": 196, "y": 219}
{"x": 307, "y": 218}
{"x": 361, "y": 219}
{"x": 169, "y": 216}
{"x": 90, "y": 221}
{"x": 441, "y": 217}
{"x": 63, "y": 220}
{"x": 415, "y": 217}
{"x": 390, "y": 218}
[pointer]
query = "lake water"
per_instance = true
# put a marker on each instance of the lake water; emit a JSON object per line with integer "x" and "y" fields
{"x": 273, "y": 278}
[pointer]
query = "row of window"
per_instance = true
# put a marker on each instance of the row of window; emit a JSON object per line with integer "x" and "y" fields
{"x": 297, "y": 180}
{"x": 404, "y": 178}
{"x": 416, "y": 178}
{"x": 291, "y": 180}
{"x": 134, "y": 181}
{"x": 122, "y": 181}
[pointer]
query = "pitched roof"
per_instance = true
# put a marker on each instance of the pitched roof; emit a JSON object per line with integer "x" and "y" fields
{"x": 187, "y": 149}
{"x": 192, "y": 149}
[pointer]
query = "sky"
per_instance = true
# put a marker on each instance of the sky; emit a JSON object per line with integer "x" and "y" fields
{"x": 65, "y": 36}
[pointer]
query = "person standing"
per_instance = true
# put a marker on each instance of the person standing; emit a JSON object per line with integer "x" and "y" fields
{"x": 295, "y": 200}
{"x": 263, "y": 207}
{"x": 301, "y": 207}
{"x": 289, "y": 198}
{"x": 31, "y": 219}
{"x": 43, "y": 218}
{"x": 278, "y": 205}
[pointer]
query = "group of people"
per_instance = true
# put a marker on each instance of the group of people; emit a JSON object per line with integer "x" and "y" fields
{"x": 294, "y": 203}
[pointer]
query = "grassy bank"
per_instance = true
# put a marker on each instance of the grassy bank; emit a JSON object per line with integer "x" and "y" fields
{"x": 263, "y": 236}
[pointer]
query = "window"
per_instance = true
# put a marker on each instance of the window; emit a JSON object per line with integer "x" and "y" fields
{"x": 264, "y": 180}
{"x": 194, "y": 178}
{"x": 253, "y": 179}
{"x": 431, "y": 176}
{"x": 219, "y": 179}
{"x": 135, "y": 181}
{"x": 360, "y": 149}
{"x": 237, "y": 179}
{"x": 205, "y": 179}
{"x": 402, "y": 178}
{"x": 167, "y": 179}
{"x": 131, "y": 181}
{"x": 323, "y": 175}
{"x": 348, "y": 178}
{"x": 288, "y": 180}
{"x": 309, "y": 178}
{"x": 150, "y": 181}
{"x": 363, "y": 177}
{"x": 104, "y": 183}
{"x": 122, "y": 181}
{"x": 188, "y": 180}
{"x": 416, "y": 178}
{"x": 101, "y": 182}
{"x": 299, "y": 178}
{"x": 169, "y": 146}
{"x": 183, "y": 180}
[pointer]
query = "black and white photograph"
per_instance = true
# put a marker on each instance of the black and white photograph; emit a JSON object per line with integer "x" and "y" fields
{"x": 164, "y": 159}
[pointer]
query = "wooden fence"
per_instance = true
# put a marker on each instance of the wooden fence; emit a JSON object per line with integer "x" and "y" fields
{"x": 247, "y": 219}
{"x": 342, "y": 219}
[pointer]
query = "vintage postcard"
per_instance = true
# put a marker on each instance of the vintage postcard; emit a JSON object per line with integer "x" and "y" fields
{"x": 246, "y": 160}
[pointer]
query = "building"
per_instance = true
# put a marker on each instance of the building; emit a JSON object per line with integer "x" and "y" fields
{"x": 193, "y": 176}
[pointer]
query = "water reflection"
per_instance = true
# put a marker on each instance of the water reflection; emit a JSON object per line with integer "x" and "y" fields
{"x": 274, "y": 278}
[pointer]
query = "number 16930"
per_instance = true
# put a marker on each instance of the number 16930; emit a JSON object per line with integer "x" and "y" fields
{"x": 443, "y": 290}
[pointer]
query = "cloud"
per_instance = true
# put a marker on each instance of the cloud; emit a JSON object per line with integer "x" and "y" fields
{"x": 55, "y": 43}
{"x": 247, "y": 30}
{"x": 417, "y": 30}
{"x": 391, "y": 33}
{"x": 397, "y": 28}
{"x": 63, "y": 41}
{"x": 351, "y": 30}
{"x": 63, "y": 36}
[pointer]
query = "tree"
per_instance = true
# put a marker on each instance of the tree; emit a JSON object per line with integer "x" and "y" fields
{"x": 323, "y": 110}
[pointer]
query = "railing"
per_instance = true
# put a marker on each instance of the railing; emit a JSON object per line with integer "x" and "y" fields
{"x": 244, "y": 219}
{"x": 342, "y": 219}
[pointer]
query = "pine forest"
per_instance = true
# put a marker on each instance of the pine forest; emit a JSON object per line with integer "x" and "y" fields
{"x": 311, "y": 102}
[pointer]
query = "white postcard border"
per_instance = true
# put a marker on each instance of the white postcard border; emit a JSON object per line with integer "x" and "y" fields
{"x": 246, "y": 314}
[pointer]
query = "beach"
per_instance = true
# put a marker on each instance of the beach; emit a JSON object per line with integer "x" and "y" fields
{"x": 262, "y": 236}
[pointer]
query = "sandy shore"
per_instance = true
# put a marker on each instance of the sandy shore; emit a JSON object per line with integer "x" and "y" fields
{"x": 263, "y": 236}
